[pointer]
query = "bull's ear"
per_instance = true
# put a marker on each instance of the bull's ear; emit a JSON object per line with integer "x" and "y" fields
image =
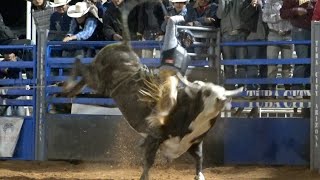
{"x": 230, "y": 93}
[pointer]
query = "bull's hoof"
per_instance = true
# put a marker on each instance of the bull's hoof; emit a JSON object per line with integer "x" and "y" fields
{"x": 144, "y": 177}
{"x": 200, "y": 176}
{"x": 239, "y": 111}
{"x": 254, "y": 113}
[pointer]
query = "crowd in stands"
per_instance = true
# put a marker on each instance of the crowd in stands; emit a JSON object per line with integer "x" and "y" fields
{"x": 238, "y": 20}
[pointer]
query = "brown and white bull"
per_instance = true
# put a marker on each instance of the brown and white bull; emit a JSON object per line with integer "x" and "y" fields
{"x": 117, "y": 72}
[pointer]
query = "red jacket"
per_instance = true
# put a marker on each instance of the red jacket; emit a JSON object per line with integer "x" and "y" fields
{"x": 289, "y": 12}
{"x": 316, "y": 12}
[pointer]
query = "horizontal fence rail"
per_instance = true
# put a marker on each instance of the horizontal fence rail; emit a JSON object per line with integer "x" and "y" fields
{"x": 18, "y": 94}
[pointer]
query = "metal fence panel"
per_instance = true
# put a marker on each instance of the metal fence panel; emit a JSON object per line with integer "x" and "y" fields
{"x": 315, "y": 100}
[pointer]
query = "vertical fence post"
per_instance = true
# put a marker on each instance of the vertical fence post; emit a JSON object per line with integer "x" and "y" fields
{"x": 217, "y": 59}
{"x": 41, "y": 145}
{"x": 315, "y": 100}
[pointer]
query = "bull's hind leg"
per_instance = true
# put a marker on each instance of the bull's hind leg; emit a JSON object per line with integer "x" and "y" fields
{"x": 150, "y": 146}
{"x": 196, "y": 152}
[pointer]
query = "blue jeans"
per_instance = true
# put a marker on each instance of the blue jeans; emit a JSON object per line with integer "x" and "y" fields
{"x": 252, "y": 71}
{"x": 234, "y": 52}
{"x": 303, "y": 51}
{"x": 273, "y": 53}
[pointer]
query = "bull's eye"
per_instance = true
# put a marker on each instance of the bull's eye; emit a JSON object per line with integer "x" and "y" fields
{"x": 207, "y": 92}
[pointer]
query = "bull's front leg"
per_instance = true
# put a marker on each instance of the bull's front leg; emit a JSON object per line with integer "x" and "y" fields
{"x": 150, "y": 146}
{"x": 196, "y": 152}
{"x": 73, "y": 89}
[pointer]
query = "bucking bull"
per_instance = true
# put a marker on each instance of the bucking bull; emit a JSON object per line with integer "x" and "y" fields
{"x": 117, "y": 72}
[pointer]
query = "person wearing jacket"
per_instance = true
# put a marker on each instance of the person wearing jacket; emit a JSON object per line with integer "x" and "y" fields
{"x": 41, "y": 13}
{"x": 252, "y": 19}
{"x": 300, "y": 16}
{"x": 316, "y": 12}
{"x": 112, "y": 22}
{"x": 279, "y": 30}
{"x": 202, "y": 13}
{"x": 232, "y": 29}
{"x": 300, "y": 13}
{"x": 59, "y": 20}
{"x": 84, "y": 27}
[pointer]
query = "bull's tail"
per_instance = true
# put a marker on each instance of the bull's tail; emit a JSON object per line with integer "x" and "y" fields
{"x": 125, "y": 10}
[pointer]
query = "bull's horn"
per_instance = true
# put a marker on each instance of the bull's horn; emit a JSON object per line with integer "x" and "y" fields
{"x": 233, "y": 92}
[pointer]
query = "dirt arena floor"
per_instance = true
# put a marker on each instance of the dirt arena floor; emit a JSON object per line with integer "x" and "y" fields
{"x": 94, "y": 171}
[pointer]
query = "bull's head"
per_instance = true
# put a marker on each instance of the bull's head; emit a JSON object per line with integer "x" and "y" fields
{"x": 212, "y": 95}
{"x": 214, "y": 98}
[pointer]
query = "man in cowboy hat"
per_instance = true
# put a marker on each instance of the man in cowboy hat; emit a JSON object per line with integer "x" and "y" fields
{"x": 85, "y": 26}
{"x": 59, "y": 20}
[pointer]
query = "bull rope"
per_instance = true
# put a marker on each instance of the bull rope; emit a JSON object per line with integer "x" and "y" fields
{"x": 25, "y": 87}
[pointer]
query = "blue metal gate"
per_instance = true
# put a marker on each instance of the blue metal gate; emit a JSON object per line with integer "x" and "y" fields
{"x": 24, "y": 86}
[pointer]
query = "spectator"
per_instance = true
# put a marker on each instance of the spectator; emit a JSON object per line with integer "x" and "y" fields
{"x": 232, "y": 29}
{"x": 252, "y": 19}
{"x": 6, "y": 34}
{"x": 39, "y": 4}
{"x": 316, "y": 12}
{"x": 279, "y": 30}
{"x": 11, "y": 73}
{"x": 179, "y": 8}
{"x": 100, "y": 8}
{"x": 300, "y": 15}
{"x": 41, "y": 13}
{"x": 7, "y": 37}
{"x": 133, "y": 26}
{"x": 59, "y": 20}
{"x": 150, "y": 18}
{"x": 203, "y": 13}
{"x": 84, "y": 26}
{"x": 112, "y": 22}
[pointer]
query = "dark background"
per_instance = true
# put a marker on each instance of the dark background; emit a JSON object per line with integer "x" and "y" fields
{"x": 14, "y": 14}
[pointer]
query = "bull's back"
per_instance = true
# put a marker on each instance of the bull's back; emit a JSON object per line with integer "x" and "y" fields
{"x": 113, "y": 64}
